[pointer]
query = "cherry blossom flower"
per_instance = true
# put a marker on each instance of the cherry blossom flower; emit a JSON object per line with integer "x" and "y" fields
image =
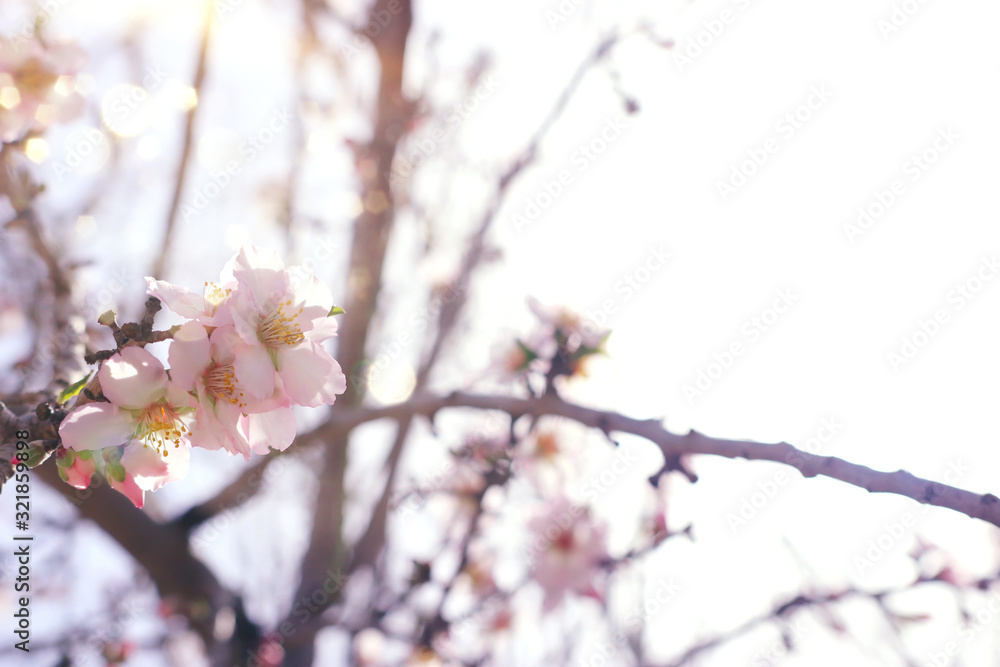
{"x": 209, "y": 308}
{"x": 36, "y": 86}
{"x": 571, "y": 329}
{"x": 146, "y": 414}
{"x": 570, "y": 547}
{"x": 228, "y": 415}
{"x": 282, "y": 324}
{"x": 513, "y": 358}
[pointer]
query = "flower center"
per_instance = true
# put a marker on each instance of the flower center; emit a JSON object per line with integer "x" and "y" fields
{"x": 159, "y": 426}
{"x": 220, "y": 382}
{"x": 279, "y": 328}
{"x": 565, "y": 541}
{"x": 215, "y": 296}
{"x": 34, "y": 78}
{"x": 547, "y": 445}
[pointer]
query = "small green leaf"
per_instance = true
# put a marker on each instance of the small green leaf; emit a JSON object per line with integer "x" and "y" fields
{"x": 36, "y": 454}
{"x": 72, "y": 390}
{"x": 336, "y": 310}
{"x": 529, "y": 355}
{"x": 113, "y": 467}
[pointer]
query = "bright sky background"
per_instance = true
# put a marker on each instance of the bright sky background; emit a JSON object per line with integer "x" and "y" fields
{"x": 656, "y": 187}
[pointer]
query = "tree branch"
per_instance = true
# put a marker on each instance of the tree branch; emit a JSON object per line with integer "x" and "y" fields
{"x": 160, "y": 264}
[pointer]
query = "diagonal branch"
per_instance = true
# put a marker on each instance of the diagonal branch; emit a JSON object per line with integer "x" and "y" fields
{"x": 976, "y": 505}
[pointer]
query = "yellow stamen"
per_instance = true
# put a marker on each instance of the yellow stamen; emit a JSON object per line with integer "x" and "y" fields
{"x": 34, "y": 78}
{"x": 220, "y": 382}
{"x": 215, "y": 296}
{"x": 279, "y": 328}
{"x": 159, "y": 426}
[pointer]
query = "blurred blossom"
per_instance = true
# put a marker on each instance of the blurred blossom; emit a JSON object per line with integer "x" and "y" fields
{"x": 36, "y": 85}
{"x": 569, "y": 547}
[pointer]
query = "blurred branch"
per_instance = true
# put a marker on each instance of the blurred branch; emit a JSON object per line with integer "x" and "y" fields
{"x": 372, "y": 541}
{"x": 364, "y": 281}
{"x": 160, "y": 264}
{"x": 66, "y": 364}
{"x": 783, "y": 611}
{"x": 162, "y": 550}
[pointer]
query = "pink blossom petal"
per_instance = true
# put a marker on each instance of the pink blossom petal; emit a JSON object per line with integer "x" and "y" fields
{"x": 261, "y": 271}
{"x": 232, "y": 429}
{"x": 14, "y": 123}
{"x": 315, "y": 299}
{"x": 310, "y": 375}
{"x": 150, "y": 469}
{"x": 182, "y": 301}
{"x": 219, "y": 427}
{"x": 78, "y": 475}
{"x": 189, "y": 355}
{"x": 133, "y": 378}
{"x": 96, "y": 426}
{"x": 129, "y": 489}
{"x": 225, "y": 342}
{"x": 274, "y": 429}
{"x": 322, "y": 329}
{"x": 245, "y": 316}
{"x": 254, "y": 370}
{"x": 65, "y": 57}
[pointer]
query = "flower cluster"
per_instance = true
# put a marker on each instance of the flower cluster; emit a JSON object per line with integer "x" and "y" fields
{"x": 559, "y": 345}
{"x": 251, "y": 349}
{"x": 37, "y": 85}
